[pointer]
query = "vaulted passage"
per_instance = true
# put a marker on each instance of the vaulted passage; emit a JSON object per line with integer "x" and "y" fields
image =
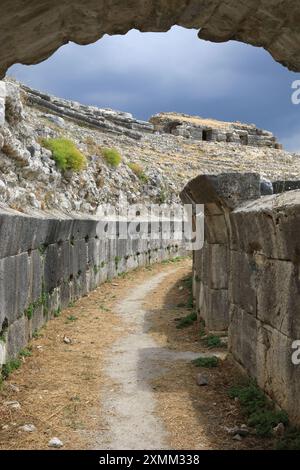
{"x": 40, "y": 28}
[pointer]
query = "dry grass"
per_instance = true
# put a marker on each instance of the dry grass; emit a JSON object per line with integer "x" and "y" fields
{"x": 60, "y": 383}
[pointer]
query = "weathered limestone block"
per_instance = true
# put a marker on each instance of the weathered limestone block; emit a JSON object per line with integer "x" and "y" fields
{"x": 242, "y": 335}
{"x": 249, "y": 225}
{"x": 278, "y": 296}
{"x": 36, "y": 267}
{"x": 276, "y": 373}
{"x": 243, "y": 281}
{"x": 216, "y": 230}
{"x": 14, "y": 278}
{"x": 225, "y": 190}
{"x": 214, "y": 308}
{"x": 17, "y": 337}
{"x": 278, "y": 216}
{"x": 218, "y": 266}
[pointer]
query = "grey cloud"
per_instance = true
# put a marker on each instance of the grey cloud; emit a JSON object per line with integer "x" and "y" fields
{"x": 175, "y": 71}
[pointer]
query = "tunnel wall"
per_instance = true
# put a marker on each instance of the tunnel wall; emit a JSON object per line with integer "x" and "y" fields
{"x": 48, "y": 262}
{"x": 255, "y": 259}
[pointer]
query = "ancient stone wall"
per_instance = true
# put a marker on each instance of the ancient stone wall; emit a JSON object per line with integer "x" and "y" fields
{"x": 247, "y": 278}
{"x": 46, "y": 262}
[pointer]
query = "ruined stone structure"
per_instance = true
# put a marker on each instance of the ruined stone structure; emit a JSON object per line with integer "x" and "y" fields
{"x": 121, "y": 123}
{"x": 246, "y": 277}
{"x": 210, "y": 130}
{"x": 40, "y": 28}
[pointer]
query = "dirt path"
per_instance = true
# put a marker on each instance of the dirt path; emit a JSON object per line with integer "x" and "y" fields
{"x": 135, "y": 361}
{"x": 125, "y": 381}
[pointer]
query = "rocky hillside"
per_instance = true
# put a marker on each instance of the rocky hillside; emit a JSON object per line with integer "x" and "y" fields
{"x": 153, "y": 166}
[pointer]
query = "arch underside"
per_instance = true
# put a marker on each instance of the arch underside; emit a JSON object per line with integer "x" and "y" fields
{"x": 31, "y": 31}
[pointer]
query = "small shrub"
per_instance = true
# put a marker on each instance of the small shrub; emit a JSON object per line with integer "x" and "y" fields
{"x": 36, "y": 334}
{"x": 208, "y": 362}
{"x": 57, "y": 312}
{"x": 202, "y": 331}
{"x": 188, "y": 282}
{"x": 2, "y": 337}
{"x": 138, "y": 171}
{"x": 112, "y": 157}
{"x": 162, "y": 198}
{"x": 71, "y": 318}
{"x": 187, "y": 321}
{"x": 29, "y": 311}
{"x": 25, "y": 353}
{"x": 213, "y": 341}
{"x": 10, "y": 367}
{"x": 66, "y": 154}
{"x": 290, "y": 441}
{"x": 175, "y": 260}
{"x": 259, "y": 410}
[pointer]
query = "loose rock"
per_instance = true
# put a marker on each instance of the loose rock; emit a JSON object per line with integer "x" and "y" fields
{"x": 279, "y": 430}
{"x": 201, "y": 380}
{"x": 15, "y": 405}
{"x": 28, "y": 428}
{"x": 55, "y": 443}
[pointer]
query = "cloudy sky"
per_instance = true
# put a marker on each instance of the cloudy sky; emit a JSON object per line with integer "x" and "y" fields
{"x": 175, "y": 71}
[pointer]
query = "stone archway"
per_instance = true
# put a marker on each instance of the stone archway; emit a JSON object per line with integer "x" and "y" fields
{"x": 40, "y": 28}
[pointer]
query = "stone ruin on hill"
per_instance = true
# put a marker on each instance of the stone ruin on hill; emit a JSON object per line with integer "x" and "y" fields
{"x": 189, "y": 127}
{"x": 210, "y": 130}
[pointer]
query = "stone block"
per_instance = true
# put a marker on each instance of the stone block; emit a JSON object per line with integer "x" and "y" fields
{"x": 218, "y": 267}
{"x": 8, "y": 289}
{"x": 243, "y": 281}
{"x": 215, "y": 229}
{"x": 278, "y": 297}
{"x": 227, "y": 190}
{"x": 23, "y": 284}
{"x": 53, "y": 267}
{"x": 243, "y": 334}
{"x": 214, "y": 308}
{"x": 218, "y": 315}
{"x": 17, "y": 337}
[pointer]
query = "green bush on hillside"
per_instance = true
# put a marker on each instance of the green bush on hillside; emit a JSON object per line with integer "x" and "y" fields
{"x": 138, "y": 171}
{"x": 112, "y": 156}
{"x": 66, "y": 154}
